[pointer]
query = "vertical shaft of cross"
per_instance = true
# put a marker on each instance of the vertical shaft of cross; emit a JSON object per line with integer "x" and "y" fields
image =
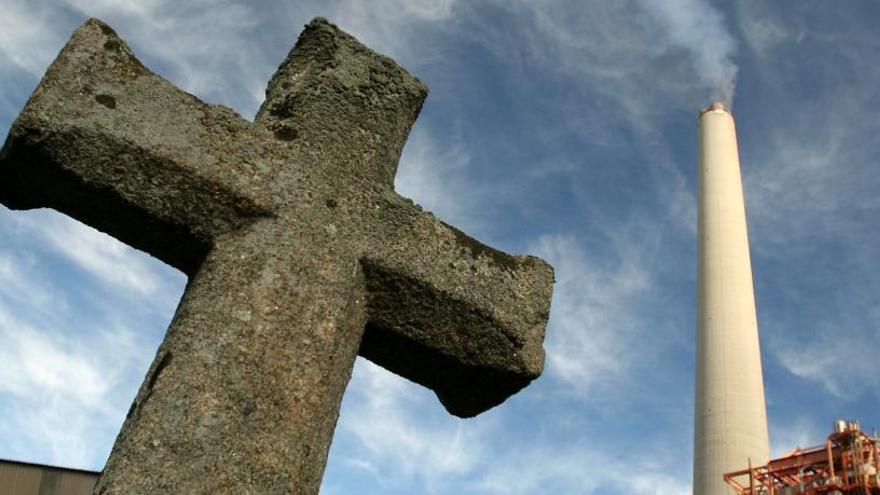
{"x": 245, "y": 389}
{"x": 730, "y": 415}
{"x": 332, "y": 93}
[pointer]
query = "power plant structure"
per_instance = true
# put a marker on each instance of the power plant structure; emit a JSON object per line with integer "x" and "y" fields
{"x": 730, "y": 412}
{"x": 847, "y": 464}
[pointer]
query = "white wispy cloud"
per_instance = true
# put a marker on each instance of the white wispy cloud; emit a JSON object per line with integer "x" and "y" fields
{"x": 100, "y": 255}
{"x": 808, "y": 182}
{"x": 580, "y": 468}
{"x": 74, "y": 350}
{"x": 800, "y": 432}
{"x": 63, "y": 397}
{"x": 134, "y": 8}
{"x": 435, "y": 178}
{"x": 379, "y": 23}
{"x": 34, "y": 360}
{"x": 394, "y": 432}
{"x": 396, "y": 425}
{"x": 812, "y": 170}
{"x": 28, "y": 38}
{"x": 591, "y": 329}
{"x": 21, "y": 283}
{"x": 835, "y": 354}
{"x": 763, "y": 34}
{"x": 637, "y": 61}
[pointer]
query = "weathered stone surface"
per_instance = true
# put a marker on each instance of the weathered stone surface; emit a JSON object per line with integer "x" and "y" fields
{"x": 299, "y": 252}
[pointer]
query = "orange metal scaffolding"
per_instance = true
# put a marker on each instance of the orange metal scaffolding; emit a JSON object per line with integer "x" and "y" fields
{"x": 847, "y": 464}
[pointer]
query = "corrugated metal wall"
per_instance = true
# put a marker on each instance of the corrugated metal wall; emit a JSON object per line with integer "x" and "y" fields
{"x": 18, "y": 478}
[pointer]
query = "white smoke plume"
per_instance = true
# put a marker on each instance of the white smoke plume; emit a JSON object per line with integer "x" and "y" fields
{"x": 699, "y": 28}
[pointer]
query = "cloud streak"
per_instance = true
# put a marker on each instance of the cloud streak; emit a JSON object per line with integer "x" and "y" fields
{"x": 394, "y": 434}
{"x": 397, "y": 440}
{"x": 591, "y": 328}
{"x": 64, "y": 397}
{"x": 27, "y": 36}
{"x": 80, "y": 317}
{"x": 435, "y": 178}
{"x": 97, "y": 253}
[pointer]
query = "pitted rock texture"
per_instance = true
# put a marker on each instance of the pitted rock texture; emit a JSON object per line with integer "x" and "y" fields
{"x": 299, "y": 252}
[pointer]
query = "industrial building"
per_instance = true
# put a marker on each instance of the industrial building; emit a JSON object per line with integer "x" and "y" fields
{"x": 25, "y": 478}
{"x": 847, "y": 464}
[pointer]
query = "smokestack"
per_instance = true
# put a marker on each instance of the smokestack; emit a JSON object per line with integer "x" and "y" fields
{"x": 730, "y": 415}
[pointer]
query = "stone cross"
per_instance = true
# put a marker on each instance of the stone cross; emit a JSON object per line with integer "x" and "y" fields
{"x": 299, "y": 253}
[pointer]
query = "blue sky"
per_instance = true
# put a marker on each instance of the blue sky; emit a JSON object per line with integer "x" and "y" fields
{"x": 563, "y": 128}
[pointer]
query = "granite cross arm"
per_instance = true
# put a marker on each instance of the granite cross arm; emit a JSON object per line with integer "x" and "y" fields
{"x": 299, "y": 253}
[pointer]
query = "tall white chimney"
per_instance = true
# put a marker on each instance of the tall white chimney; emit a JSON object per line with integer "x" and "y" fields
{"x": 730, "y": 414}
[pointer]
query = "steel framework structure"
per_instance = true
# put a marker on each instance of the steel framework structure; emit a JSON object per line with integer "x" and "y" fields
{"x": 847, "y": 464}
